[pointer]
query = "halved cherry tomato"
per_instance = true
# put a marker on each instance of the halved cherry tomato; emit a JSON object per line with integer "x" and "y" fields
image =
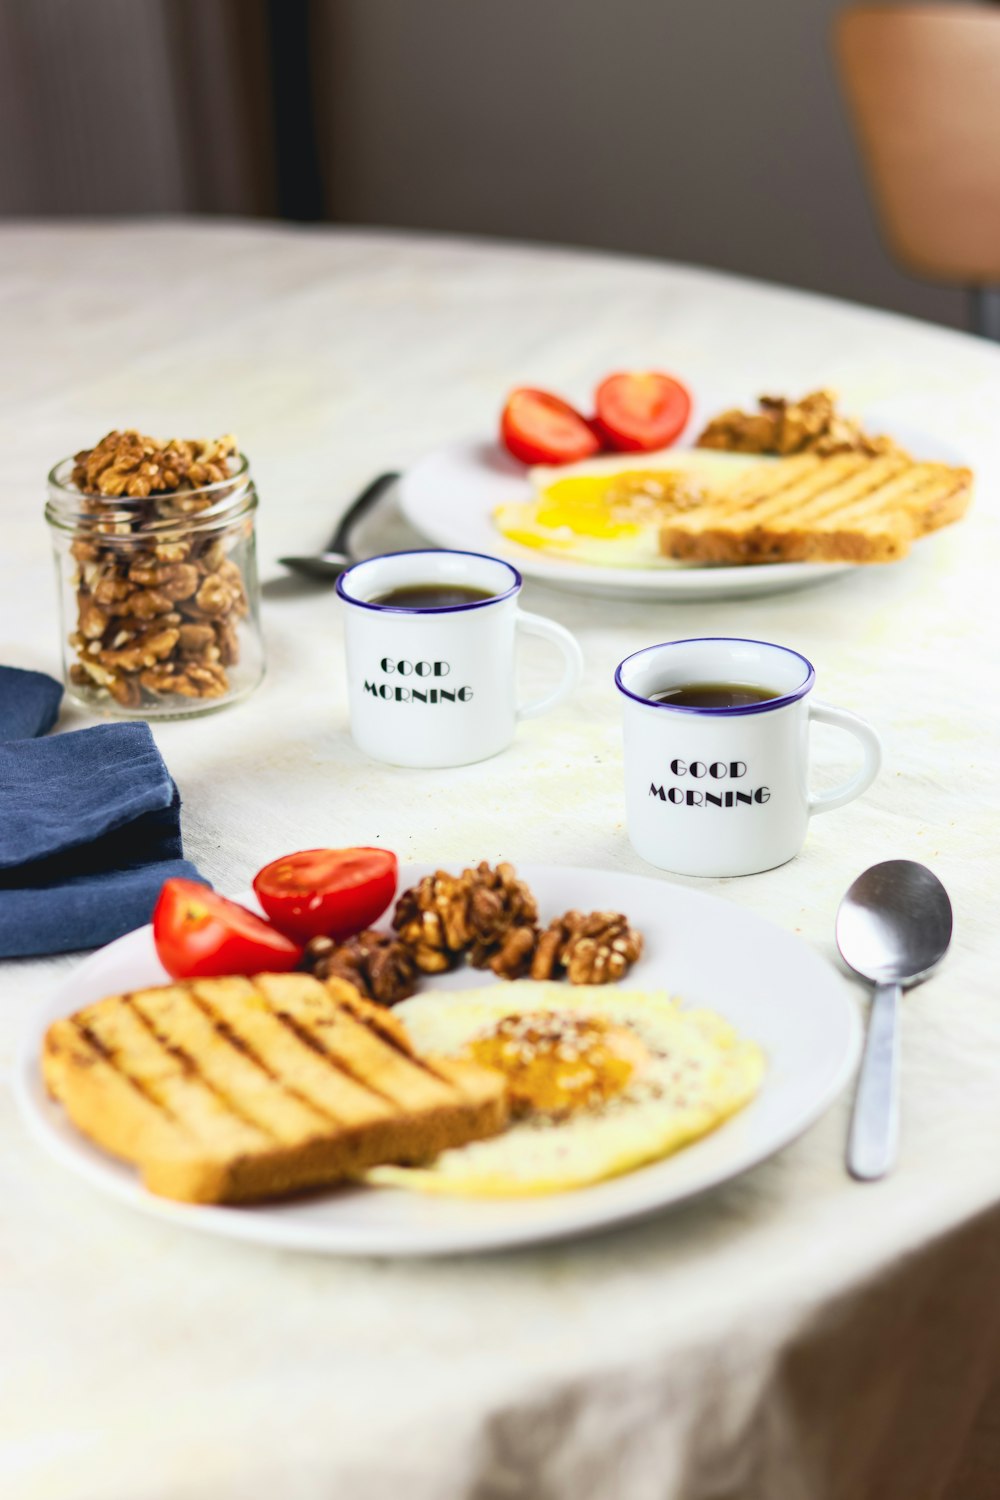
{"x": 539, "y": 428}
{"x": 199, "y": 934}
{"x": 640, "y": 410}
{"x": 327, "y": 892}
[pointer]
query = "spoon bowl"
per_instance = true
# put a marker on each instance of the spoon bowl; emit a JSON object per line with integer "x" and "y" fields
{"x": 895, "y": 922}
{"x": 323, "y": 566}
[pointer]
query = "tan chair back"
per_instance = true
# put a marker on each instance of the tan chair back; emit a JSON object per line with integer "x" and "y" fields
{"x": 923, "y": 87}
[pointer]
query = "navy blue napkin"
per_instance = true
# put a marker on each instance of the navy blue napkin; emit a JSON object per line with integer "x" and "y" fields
{"x": 89, "y": 827}
{"x": 29, "y": 703}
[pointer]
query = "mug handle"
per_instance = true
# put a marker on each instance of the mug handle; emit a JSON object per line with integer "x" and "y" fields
{"x": 840, "y": 718}
{"x": 572, "y": 660}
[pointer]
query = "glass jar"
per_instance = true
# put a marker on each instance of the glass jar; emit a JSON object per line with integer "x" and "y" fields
{"x": 159, "y": 597}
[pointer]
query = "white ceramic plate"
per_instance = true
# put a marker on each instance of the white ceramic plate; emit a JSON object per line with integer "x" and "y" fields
{"x": 772, "y": 987}
{"x": 449, "y": 496}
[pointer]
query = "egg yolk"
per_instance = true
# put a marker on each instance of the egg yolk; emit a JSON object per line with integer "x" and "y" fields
{"x": 619, "y": 506}
{"x": 615, "y": 509}
{"x": 558, "y": 1064}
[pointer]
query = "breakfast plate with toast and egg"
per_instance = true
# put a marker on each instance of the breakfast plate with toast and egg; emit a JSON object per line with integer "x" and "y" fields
{"x": 494, "y": 1058}
{"x": 644, "y": 500}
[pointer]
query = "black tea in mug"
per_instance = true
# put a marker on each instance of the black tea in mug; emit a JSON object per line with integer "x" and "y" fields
{"x": 714, "y": 694}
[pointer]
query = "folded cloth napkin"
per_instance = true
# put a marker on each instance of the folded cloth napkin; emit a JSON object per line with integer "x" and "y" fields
{"x": 89, "y": 831}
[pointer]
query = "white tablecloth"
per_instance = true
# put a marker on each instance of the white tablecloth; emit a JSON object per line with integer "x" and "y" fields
{"x": 794, "y": 1336}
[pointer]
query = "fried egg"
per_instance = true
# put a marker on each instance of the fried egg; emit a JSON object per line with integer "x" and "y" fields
{"x": 600, "y": 1082}
{"x": 609, "y": 510}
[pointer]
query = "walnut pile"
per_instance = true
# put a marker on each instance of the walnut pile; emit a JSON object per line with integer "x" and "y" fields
{"x": 490, "y": 917}
{"x": 484, "y": 913}
{"x": 781, "y": 426}
{"x": 131, "y": 464}
{"x": 157, "y": 607}
{"x": 380, "y": 967}
{"x": 598, "y": 948}
{"x": 486, "y": 916}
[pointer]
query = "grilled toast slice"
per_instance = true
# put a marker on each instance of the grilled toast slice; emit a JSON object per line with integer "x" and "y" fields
{"x": 848, "y": 508}
{"x": 233, "y": 1090}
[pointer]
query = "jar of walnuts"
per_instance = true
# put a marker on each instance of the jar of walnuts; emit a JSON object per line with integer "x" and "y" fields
{"x": 157, "y": 575}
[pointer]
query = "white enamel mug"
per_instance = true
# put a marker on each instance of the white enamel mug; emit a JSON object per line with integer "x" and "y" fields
{"x": 725, "y": 791}
{"x": 436, "y": 686}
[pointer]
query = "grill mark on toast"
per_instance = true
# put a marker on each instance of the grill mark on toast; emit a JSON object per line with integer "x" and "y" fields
{"x": 762, "y": 495}
{"x": 819, "y": 490}
{"x": 314, "y": 1044}
{"x": 200, "y": 1115}
{"x": 887, "y": 500}
{"x": 828, "y": 475}
{"x": 114, "y": 1060}
{"x": 851, "y": 507}
{"x": 857, "y": 488}
{"x": 244, "y": 1004}
{"x": 393, "y": 1034}
{"x": 240, "y": 1044}
{"x": 190, "y": 1066}
{"x": 378, "y": 1020}
{"x": 337, "y": 1011}
{"x": 947, "y": 506}
{"x": 386, "y": 1032}
{"x": 421, "y": 1062}
{"x": 903, "y": 495}
{"x": 769, "y": 479}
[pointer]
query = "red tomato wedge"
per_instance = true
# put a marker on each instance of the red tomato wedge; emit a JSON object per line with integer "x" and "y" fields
{"x": 640, "y": 410}
{"x": 200, "y": 935}
{"x": 539, "y": 428}
{"x": 327, "y": 892}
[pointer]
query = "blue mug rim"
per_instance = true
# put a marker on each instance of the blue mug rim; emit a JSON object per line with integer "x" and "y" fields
{"x": 768, "y": 706}
{"x": 433, "y": 609}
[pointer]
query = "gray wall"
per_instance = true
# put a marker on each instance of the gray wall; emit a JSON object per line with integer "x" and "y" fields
{"x": 701, "y": 130}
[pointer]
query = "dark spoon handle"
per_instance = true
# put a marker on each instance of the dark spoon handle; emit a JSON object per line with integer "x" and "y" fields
{"x": 340, "y": 540}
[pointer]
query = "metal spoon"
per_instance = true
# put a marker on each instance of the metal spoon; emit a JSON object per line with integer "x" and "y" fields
{"x": 893, "y": 927}
{"x": 335, "y": 557}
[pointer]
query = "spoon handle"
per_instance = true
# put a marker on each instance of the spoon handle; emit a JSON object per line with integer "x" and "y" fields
{"x": 340, "y": 541}
{"x": 871, "y": 1150}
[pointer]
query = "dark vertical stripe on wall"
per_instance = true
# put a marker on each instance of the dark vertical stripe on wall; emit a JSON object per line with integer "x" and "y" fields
{"x": 299, "y": 183}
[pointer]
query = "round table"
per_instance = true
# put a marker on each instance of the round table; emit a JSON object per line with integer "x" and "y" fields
{"x": 793, "y": 1335}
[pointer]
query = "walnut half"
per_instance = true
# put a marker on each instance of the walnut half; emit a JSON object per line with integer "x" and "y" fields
{"x": 446, "y": 916}
{"x": 511, "y": 957}
{"x": 597, "y": 948}
{"x": 380, "y": 967}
